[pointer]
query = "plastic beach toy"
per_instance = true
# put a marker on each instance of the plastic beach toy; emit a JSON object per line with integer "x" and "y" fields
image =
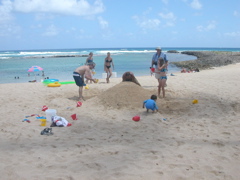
{"x": 136, "y": 118}
{"x": 55, "y": 84}
{"x": 27, "y": 120}
{"x": 195, "y": 101}
{"x": 74, "y": 116}
{"x": 152, "y": 69}
{"x": 43, "y": 122}
{"x": 67, "y": 82}
{"x": 79, "y": 104}
{"x": 44, "y": 108}
{"x": 86, "y": 87}
{"x": 47, "y": 81}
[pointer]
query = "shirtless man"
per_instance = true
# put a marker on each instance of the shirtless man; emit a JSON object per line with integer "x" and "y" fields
{"x": 83, "y": 72}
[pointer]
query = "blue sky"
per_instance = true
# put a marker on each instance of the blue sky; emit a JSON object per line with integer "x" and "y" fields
{"x": 54, "y": 24}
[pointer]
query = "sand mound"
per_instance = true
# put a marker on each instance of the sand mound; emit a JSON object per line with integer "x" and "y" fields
{"x": 124, "y": 95}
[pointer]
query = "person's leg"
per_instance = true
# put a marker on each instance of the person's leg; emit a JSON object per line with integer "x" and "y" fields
{"x": 159, "y": 87}
{"x": 163, "y": 85}
{"x": 107, "y": 71}
{"x": 80, "y": 93}
{"x": 109, "y": 74}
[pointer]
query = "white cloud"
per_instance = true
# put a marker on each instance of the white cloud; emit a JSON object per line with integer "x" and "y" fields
{"x": 165, "y": 1}
{"x": 36, "y": 26}
{"x": 210, "y": 26}
{"x": 5, "y": 11}
{"x": 69, "y": 7}
{"x": 43, "y": 16}
{"x": 51, "y": 31}
{"x": 9, "y": 30}
{"x": 236, "y": 13}
{"x": 103, "y": 23}
{"x": 233, "y": 34}
{"x": 169, "y": 17}
{"x": 195, "y": 4}
{"x": 147, "y": 23}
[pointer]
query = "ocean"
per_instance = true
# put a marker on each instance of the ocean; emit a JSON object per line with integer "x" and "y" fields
{"x": 60, "y": 63}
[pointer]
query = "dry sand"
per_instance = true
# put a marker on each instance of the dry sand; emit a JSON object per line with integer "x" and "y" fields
{"x": 197, "y": 141}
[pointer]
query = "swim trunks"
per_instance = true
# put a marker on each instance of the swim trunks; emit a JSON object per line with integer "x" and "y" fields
{"x": 78, "y": 79}
{"x": 163, "y": 77}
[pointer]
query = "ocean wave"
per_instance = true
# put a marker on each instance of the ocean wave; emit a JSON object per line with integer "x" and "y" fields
{"x": 121, "y": 51}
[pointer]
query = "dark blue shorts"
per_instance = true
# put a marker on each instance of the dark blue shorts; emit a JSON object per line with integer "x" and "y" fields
{"x": 78, "y": 79}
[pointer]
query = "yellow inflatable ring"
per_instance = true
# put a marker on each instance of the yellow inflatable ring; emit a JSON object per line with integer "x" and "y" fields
{"x": 55, "y": 84}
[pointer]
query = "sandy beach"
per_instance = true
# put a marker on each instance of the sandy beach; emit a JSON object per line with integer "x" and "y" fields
{"x": 197, "y": 141}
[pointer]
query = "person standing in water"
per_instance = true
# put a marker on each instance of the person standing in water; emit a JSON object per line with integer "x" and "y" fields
{"x": 89, "y": 60}
{"x": 108, "y": 63}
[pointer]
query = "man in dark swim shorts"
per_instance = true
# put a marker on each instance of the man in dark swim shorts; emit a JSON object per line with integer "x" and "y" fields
{"x": 78, "y": 79}
{"x": 83, "y": 72}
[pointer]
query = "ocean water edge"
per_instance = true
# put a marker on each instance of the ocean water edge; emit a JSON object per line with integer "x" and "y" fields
{"x": 60, "y": 63}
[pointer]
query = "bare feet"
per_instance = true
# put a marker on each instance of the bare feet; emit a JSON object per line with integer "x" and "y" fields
{"x": 81, "y": 99}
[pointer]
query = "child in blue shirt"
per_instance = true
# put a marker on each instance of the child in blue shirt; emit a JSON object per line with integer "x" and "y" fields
{"x": 151, "y": 104}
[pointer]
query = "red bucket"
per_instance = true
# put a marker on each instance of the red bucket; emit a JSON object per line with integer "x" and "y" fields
{"x": 44, "y": 108}
{"x": 79, "y": 104}
{"x": 74, "y": 116}
{"x": 136, "y": 118}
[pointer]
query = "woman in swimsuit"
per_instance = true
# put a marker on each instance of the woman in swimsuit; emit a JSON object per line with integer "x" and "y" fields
{"x": 89, "y": 60}
{"x": 107, "y": 66}
{"x": 163, "y": 76}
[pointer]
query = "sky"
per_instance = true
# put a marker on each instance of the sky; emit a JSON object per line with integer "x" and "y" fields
{"x": 66, "y": 24}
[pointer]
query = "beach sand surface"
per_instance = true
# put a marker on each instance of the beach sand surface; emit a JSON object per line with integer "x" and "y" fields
{"x": 196, "y": 141}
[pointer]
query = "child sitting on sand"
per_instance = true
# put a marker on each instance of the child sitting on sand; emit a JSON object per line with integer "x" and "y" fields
{"x": 151, "y": 104}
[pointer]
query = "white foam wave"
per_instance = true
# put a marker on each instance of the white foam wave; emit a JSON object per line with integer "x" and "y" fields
{"x": 123, "y": 51}
{"x": 46, "y": 53}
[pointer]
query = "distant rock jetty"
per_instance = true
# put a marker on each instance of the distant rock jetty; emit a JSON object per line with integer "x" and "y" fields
{"x": 172, "y": 51}
{"x": 209, "y": 59}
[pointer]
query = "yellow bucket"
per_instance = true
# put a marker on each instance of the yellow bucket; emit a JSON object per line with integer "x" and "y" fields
{"x": 86, "y": 87}
{"x": 43, "y": 122}
{"x": 195, "y": 101}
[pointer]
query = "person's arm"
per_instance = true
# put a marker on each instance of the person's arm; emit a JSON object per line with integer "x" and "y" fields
{"x": 165, "y": 59}
{"x": 112, "y": 64}
{"x": 153, "y": 60}
{"x": 156, "y": 107}
{"x": 104, "y": 65}
{"x": 152, "y": 63}
{"x": 88, "y": 75}
{"x": 161, "y": 67}
{"x": 144, "y": 102}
